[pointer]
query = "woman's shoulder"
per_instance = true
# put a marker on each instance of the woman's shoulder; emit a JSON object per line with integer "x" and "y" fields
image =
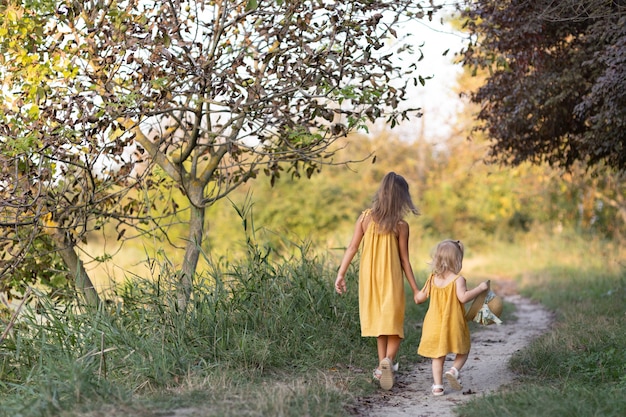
{"x": 402, "y": 226}
{"x": 364, "y": 214}
{"x": 365, "y": 219}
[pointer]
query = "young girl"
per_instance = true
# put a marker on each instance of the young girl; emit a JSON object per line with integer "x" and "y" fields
{"x": 445, "y": 329}
{"x": 384, "y": 259}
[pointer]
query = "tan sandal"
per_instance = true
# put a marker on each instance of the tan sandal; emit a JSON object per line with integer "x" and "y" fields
{"x": 386, "y": 379}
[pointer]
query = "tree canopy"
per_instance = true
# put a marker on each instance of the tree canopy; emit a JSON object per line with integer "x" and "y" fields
{"x": 556, "y": 92}
{"x": 195, "y": 94}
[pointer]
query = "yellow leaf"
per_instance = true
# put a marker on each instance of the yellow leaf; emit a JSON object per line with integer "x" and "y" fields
{"x": 48, "y": 222}
{"x": 33, "y": 111}
{"x": 11, "y": 14}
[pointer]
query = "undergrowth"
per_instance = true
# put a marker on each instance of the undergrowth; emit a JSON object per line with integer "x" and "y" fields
{"x": 269, "y": 336}
{"x": 250, "y": 332}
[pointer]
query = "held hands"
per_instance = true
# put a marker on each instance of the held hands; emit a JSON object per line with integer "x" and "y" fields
{"x": 484, "y": 286}
{"x": 419, "y": 297}
{"x": 340, "y": 285}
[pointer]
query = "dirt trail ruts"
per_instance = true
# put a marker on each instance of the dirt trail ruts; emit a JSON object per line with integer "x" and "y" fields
{"x": 485, "y": 371}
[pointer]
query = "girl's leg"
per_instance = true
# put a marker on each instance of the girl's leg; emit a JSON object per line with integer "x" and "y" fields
{"x": 438, "y": 370}
{"x": 385, "y": 363}
{"x": 459, "y": 360}
{"x": 437, "y": 364}
{"x": 453, "y": 375}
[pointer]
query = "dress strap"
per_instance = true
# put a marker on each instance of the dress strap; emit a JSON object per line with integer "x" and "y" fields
{"x": 428, "y": 284}
{"x": 365, "y": 219}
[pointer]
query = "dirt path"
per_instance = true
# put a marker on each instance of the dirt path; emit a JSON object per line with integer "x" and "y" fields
{"x": 485, "y": 371}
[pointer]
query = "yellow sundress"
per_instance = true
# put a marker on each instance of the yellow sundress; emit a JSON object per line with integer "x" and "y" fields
{"x": 445, "y": 329}
{"x": 381, "y": 284}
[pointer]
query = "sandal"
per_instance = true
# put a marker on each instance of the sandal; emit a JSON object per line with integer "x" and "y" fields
{"x": 386, "y": 378}
{"x": 454, "y": 379}
{"x": 437, "y": 390}
{"x": 377, "y": 374}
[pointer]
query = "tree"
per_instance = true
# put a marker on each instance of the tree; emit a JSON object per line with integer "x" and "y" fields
{"x": 557, "y": 87}
{"x": 40, "y": 211}
{"x": 214, "y": 93}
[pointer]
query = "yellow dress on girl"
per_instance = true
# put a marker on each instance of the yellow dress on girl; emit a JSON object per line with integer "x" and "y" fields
{"x": 381, "y": 283}
{"x": 445, "y": 329}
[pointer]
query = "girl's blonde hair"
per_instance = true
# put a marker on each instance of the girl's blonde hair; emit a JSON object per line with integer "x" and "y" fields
{"x": 448, "y": 257}
{"x": 391, "y": 202}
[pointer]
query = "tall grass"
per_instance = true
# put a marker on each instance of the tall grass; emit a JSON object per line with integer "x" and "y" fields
{"x": 260, "y": 337}
{"x": 268, "y": 336}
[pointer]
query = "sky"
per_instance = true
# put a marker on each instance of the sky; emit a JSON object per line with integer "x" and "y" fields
{"x": 438, "y": 99}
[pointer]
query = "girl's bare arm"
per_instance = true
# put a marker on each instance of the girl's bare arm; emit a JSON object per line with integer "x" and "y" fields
{"x": 464, "y": 295}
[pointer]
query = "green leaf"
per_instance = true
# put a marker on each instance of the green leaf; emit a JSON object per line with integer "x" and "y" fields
{"x": 252, "y": 4}
{"x": 33, "y": 111}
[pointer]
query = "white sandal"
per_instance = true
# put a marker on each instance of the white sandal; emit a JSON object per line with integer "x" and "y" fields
{"x": 454, "y": 379}
{"x": 435, "y": 390}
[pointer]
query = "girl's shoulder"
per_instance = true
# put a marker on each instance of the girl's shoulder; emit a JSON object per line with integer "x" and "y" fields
{"x": 459, "y": 278}
{"x": 444, "y": 281}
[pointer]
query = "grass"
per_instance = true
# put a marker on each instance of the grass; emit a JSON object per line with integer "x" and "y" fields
{"x": 270, "y": 337}
{"x": 259, "y": 338}
{"x": 579, "y": 367}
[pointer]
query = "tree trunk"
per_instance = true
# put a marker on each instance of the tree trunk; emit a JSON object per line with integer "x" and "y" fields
{"x": 192, "y": 253}
{"x": 82, "y": 282}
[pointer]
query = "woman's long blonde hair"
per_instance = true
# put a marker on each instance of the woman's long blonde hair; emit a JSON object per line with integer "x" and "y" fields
{"x": 391, "y": 202}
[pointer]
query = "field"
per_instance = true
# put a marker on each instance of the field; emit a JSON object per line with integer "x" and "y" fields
{"x": 269, "y": 337}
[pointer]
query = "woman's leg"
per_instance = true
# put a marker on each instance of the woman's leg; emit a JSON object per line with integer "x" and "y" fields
{"x": 381, "y": 343}
{"x": 393, "y": 346}
{"x": 388, "y": 346}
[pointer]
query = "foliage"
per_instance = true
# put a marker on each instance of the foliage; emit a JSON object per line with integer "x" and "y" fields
{"x": 556, "y": 88}
{"x": 56, "y": 173}
{"x": 213, "y": 92}
{"x": 457, "y": 195}
{"x": 46, "y": 269}
{"x": 249, "y": 325}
